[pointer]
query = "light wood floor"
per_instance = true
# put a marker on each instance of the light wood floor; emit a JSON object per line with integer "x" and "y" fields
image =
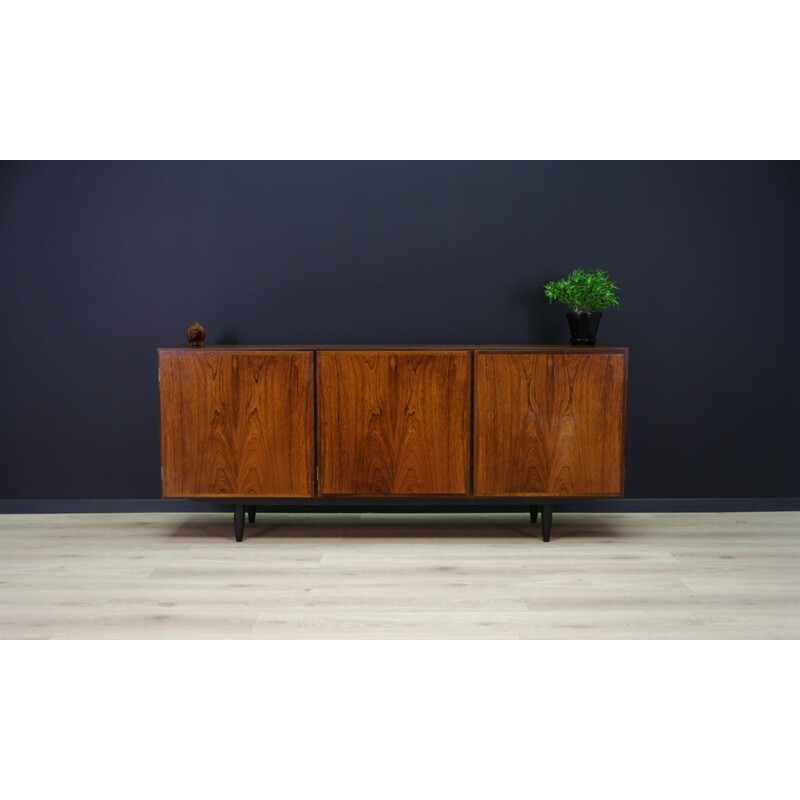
{"x": 478, "y": 576}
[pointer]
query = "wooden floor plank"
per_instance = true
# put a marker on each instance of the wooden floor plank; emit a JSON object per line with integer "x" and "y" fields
{"x": 389, "y": 576}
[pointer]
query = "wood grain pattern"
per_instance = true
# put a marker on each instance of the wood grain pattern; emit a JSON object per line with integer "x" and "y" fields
{"x": 549, "y": 424}
{"x": 393, "y": 423}
{"x": 237, "y": 424}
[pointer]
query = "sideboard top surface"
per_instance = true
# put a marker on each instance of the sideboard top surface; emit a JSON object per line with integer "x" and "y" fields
{"x": 480, "y": 348}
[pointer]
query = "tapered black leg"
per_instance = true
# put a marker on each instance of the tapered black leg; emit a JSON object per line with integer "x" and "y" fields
{"x": 251, "y": 514}
{"x": 238, "y": 522}
{"x": 534, "y": 514}
{"x": 547, "y": 521}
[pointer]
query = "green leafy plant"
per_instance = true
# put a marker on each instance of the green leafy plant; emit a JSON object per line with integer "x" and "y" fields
{"x": 584, "y": 290}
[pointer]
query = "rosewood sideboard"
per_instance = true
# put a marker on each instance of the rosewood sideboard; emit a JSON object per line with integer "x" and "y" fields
{"x": 526, "y": 423}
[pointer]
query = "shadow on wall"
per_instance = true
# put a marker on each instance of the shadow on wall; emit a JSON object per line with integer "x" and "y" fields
{"x": 544, "y": 319}
{"x": 228, "y": 336}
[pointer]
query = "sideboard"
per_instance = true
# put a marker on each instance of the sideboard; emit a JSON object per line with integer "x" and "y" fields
{"x": 536, "y": 424}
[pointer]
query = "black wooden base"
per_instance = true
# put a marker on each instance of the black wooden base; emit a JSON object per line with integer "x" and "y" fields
{"x": 547, "y": 518}
{"x": 547, "y": 521}
{"x": 238, "y": 522}
{"x": 239, "y": 509}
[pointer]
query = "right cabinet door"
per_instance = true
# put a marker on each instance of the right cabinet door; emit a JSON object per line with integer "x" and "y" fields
{"x": 549, "y": 424}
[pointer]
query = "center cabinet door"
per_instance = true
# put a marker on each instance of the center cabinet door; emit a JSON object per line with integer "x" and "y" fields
{"x": 393, "y": 422}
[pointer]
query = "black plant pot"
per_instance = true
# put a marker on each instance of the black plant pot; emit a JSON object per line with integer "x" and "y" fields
{"x": 583, "y": 326}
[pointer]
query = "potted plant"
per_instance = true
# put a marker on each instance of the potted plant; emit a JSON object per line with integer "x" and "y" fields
{"x": 586, "y": 293}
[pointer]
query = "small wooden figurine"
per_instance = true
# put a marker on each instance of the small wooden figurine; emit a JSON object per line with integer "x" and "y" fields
{"x": 196, "y": 335}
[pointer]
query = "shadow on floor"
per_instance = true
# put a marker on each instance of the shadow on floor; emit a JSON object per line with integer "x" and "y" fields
{"x": 400, "y": 526}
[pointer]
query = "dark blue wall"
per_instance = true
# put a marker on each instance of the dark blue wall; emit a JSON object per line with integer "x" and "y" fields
{"x": 101, "y": 263}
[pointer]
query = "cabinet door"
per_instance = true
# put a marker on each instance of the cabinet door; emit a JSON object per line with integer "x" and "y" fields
{"x": 549, "y": 424}
{"x": 237, "y": 424}
{"x": 393, "y": 423}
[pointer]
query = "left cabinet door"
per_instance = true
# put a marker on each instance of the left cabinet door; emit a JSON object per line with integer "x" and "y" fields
{"x": 237, "y": 424}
